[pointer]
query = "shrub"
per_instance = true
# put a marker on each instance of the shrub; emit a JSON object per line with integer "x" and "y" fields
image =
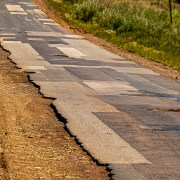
{"x": 87, "y": 10}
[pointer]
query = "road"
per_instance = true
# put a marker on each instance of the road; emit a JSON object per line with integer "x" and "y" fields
{"x": 124, "y": 115}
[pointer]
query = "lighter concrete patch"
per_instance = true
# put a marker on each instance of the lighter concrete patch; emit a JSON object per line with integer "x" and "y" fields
{"x": 6, "y": 38}
{"x": 35, "y": 39}
{"x": 20, "y": 13}
{"x": 44, "y": 19}
{"x": 15, "y": 8}
{"x": 45, "y": 34}
{"x": 111, "y": 87}
{"x": 71, "y": 52}
{"x": 50, "y": 23}
{"x": 134, "y": 70}
{"x": 26, "y": 3}
{"x": 38, "y": 11}
{"x": 24, "y": 54}
{"x": 32, "y": 5}
{"x": 8, "y": 34}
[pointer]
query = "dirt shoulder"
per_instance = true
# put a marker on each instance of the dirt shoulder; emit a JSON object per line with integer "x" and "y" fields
{"x": 164, "y": 70}
{"x": 33, "y": 142}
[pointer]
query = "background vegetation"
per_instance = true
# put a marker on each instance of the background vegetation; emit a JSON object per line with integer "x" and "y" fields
{"x": 142, "y": 27}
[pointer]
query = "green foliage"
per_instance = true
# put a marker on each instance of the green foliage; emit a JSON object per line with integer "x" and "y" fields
{"x": 87, "y": 10}
{"x": 176, "y": 16}
{"x": 70, "y": 1}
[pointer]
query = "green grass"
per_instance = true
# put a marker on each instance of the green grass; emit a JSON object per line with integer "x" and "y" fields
{"x": 143, "y": 27}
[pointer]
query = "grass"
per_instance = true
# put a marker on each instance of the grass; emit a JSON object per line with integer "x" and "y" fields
{"x": 142, "y": 27}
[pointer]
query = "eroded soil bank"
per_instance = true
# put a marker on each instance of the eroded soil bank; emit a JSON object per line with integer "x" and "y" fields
{"x": 33, "y": 142}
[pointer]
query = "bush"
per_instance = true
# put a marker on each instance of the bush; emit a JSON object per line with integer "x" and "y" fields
{"x": 87, "y": 10}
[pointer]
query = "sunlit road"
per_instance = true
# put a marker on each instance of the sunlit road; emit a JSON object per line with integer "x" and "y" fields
{"x": 124, "y": 115}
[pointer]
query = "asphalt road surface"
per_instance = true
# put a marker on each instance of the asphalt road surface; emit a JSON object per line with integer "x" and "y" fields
{"x": 126, "y": 116}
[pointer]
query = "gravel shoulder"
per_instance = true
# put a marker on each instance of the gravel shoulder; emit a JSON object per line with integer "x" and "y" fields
{"x": 164, "y": 70}
{"x": 33, "y": 142}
